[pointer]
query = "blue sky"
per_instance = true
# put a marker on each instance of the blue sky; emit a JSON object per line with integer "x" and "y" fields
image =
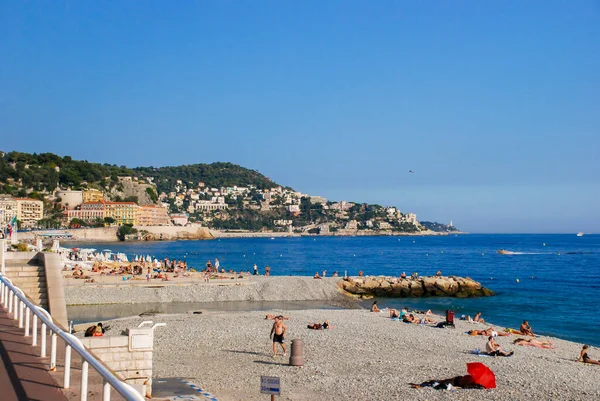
{"x": 493, "y": 104}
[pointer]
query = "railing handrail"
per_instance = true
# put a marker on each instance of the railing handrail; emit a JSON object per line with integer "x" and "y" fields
{"x": 128, "y": 392}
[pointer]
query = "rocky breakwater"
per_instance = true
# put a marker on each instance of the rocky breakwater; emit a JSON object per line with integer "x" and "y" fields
{"x": 394, "y": 287}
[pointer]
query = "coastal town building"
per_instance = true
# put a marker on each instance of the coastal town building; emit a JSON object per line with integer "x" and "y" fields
{"x": 153, "y": 215}
{"x": 29, "y": 211}
{"x": 92, "y": 195}
{"x": 282, "y": 222}
{"x": 384, "y": 225}
{"x": 410, "y": 218}
{"x": 217, "y": 203}
{"x": 69, "y": 198}
{"x": 88, "y": 212}
{"x": 293, "y": 208}
{"x": 318, "y": 200}
{"x": 179, "y": 219}
{"x": 8, "y": 209}
{"x": 122, "y": 212}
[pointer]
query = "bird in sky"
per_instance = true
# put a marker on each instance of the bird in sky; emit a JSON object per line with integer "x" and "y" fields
{"x": 410, "y": 171}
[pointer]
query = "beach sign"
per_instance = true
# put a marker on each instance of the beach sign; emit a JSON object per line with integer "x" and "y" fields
{"x": 269, "y": 385}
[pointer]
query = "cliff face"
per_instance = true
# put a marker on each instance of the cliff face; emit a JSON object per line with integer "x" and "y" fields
{"x": 134, "y": 188}
{"x": 421, "y": 287}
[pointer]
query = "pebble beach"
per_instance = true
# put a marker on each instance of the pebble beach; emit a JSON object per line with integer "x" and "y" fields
{"x": 366, "y": 356}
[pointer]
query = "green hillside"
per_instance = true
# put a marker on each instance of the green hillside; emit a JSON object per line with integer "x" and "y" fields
{"x": 212, "y": 175}
{"x": 43, "y": 172}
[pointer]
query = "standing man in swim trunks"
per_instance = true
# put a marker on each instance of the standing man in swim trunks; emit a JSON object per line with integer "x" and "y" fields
{"x": 279, "y": 330}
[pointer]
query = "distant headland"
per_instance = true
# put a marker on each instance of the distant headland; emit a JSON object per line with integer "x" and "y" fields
{"x": 47, "y": 191}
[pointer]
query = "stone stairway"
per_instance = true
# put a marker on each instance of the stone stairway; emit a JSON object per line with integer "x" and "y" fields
{"x": 31, "y": 278}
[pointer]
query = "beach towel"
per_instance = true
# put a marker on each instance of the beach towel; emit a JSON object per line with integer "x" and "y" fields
{"x": 479, "y": 353}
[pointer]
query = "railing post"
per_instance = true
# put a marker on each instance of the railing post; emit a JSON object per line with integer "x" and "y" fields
{"x": 27, "y": 319}
{"x": 34, "y": 330}
{"x": 21, "y": 307}
{"x": 53, "y": 353}
{"x": 2, "y": 292}
{"x": 10, "y": 302}
{"x": 84, "y": 379}
{"x": 16, "y": 307}
{"x": 43, "y": 335}
{"x": 67, "y": 381}
{"x": 106, "y": 391}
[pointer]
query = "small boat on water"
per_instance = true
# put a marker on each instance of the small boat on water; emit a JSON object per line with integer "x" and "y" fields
{"x": 580, "y": 234}
{"x": 505, "y": 252}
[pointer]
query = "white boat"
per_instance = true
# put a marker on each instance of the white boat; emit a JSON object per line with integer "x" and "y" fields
{"x": 580, "y": 234}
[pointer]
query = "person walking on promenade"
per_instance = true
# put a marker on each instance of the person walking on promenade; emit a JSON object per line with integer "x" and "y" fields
{"x": 255, "y": 270}
{"x": 217, "y": 264}
{"x": 149, "y": 275}
{"x": 278, "y": 333}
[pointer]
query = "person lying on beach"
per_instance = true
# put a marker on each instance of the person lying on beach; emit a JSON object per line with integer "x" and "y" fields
{"x": 487, "y": 332}
{"x": 533, "y": 343}
{"x": 394, "y": 313}
{"x": 466, "y": 381}
{"x": 492, "y": 348}
{"x": 525, "y": 329}
{"x": 276, "y": 317}
{"x": 584, "y": 357}
{"x": 426, "y": 319}
{"x": 374, "y": 307}
{"x": 317, "y": 275}
{"x": 319, "y": 326}
{"x": 411, "y": 319}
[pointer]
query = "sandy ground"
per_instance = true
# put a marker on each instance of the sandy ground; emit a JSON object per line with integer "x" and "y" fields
{"x": 367, "y": 356}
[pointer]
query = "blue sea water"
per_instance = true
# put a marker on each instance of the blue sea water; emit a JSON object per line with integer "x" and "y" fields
{"x": 558, "y": 288}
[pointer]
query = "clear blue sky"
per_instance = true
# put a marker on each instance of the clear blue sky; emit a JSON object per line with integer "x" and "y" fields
{"x": 495, "y": 105}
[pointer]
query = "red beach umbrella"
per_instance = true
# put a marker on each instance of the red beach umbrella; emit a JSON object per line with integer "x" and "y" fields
{"x": 481, "y": 374}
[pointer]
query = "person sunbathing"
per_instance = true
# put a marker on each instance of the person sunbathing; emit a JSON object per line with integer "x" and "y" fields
{"x": 584, "y": 357}
{"x": 410, "y": 319}
{"x": 478, "y": 318}
{"x": 525, "y": 329}
{"x": 487, "y": 332}
{"x": 466, "y": 381}
{"x": 319, "y": 326}
{"x": 394, "y": 314}
{"x": 533, "y": 343}
{"x": 492, "y": 348}
{"x": 374, "y": 307}
{"x": 276, "y": 317}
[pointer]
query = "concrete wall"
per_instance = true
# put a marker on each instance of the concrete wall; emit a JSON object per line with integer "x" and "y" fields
{"x": 131, "y": 365}
{"x": 22, "y": 256}
{"x": 109, "y": 234}
{"x": 176, "y": 232}
{"x": 57, "y": 305}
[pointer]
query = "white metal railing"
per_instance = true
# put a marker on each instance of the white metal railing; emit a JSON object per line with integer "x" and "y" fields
{"x": 22, "y": 309}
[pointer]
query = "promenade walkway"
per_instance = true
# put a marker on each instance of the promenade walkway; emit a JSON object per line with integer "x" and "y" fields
{"x": 26, "y": 376}
{"x": 23, "y": 374}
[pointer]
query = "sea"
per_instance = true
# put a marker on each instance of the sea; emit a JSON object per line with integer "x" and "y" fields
{"x": 552, "y": 280}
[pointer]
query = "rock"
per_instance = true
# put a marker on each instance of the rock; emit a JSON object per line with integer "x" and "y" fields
{"x": 423, "y": 287}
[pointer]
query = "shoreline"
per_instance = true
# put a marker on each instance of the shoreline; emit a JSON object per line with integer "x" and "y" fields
{"x": 174, "y": 233}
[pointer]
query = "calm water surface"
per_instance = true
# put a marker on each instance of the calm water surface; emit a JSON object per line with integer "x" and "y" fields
{"x": 559, "y": 275}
